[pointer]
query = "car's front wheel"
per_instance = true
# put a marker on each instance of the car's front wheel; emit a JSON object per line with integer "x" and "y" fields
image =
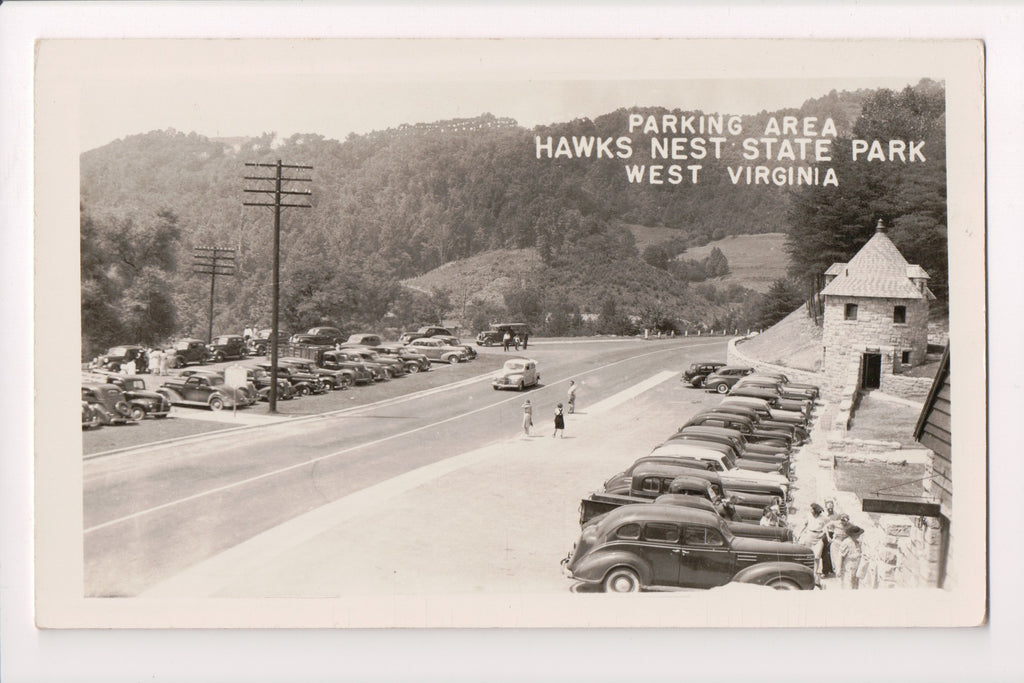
{"x": 722, "y": 388}
{"x": 453, "y": 360}
{"x": 218, "y": 357}
{"x": 216, "y": 403}
{"x": 138, "y": 413}
{"x": 622, "y": 580}
{"x": 782, "y": 584}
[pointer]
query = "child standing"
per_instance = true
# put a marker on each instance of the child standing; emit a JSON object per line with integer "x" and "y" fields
{"x": 559, "y": 422}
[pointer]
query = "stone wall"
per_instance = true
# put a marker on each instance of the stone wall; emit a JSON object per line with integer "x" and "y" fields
{"x": 912, "y": 388}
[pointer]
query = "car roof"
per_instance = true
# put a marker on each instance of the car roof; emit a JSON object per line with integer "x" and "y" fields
{"x": 660, "y": 512}
{"x": 654, "y": 468}
{"x": 672, "y": 448}
{"x": 715, "y": 413}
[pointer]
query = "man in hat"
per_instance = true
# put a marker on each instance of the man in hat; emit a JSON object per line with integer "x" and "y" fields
{"x": 850, "y": 554}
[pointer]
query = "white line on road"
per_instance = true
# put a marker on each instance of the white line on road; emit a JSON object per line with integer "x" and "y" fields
{"x": 305, "y": 463}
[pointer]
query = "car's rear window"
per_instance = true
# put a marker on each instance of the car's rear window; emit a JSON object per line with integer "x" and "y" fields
{"x": 628, "y": 531}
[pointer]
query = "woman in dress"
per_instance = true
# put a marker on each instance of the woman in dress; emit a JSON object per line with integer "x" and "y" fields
{"x": 527, "y": 416}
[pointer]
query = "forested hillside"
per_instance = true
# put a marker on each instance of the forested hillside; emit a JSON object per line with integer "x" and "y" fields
{"x": 398, "y": 203}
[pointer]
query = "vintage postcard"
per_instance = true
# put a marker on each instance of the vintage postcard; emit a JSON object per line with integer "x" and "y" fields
{"x": 451, "y": 333}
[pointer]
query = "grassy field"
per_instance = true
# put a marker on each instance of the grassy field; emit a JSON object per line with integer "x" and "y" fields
{"x": 755, "y": 261}
{"x": 794, "y": 341}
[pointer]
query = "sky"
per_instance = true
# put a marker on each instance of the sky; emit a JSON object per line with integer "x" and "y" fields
{"x": 223, "y": 88}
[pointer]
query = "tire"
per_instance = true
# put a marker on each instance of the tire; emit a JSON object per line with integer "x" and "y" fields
{"x": 412, "y": 368}
{"x": 216, "y": 403}
{"x": 344, "y": 382}
{"x": 122, "y": 409}
{"x": 781, "y": 584}
{"x": 218, "y": 357}
{"x": 621, "y": 580}
{"x": 303, "y": 390}
{"x": 453, "y": 360}
{"x": 722, "y": 388}
{"x": 138, "y": 413}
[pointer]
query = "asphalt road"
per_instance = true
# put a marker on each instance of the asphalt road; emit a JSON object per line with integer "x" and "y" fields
{"x": 158, "y": 513}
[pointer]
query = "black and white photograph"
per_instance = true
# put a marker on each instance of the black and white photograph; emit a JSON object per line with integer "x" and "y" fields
{"x": 461, "y": 333}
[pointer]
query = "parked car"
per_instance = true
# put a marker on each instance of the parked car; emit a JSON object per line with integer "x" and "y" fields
{"x": 795, "y": 431}
{"x": 517, "y": 373}
{"x": 187, "y": 351}
{"x": 319, "y": 336}
{"x": 117, "y": 357}
{"x": 736, "y": 445}
{"x": 494, "y": 336}
{"x": 803, "y": 406}
{"x": 673, "y": 546}
{"x": 343, "y": 360}
{"x": 259, "y": 345}
{"x": 424, "y": 332}
{"x": 305, "y": 383}
{"x": 697, "y": 450}
{"x": 765, "y": 410}
{"x": 698, "y": 372}
{"x": 748, "y": 493}
{"x": 108, "y": 402}
{"x": 728, "y": 467}
{"x": 91, "y": 418}
{"x": 249, "y": 391}
{"x": 363, "y": 340}
{"x": 204, "y": 390}
{"x": 784, "y": 390}
{"x": 339, "y": 378}
{"x": 753, "y": 432}
{"x": 779, "y": 377}
{"x": 227, "y": 347}
{"x": 260, "y": 378}
{"x": 414, "y": 361}
{"x": 393, "y": 367}
{"x": 141, "y": 401}
{"x": 454, "y": 341}
{"x": 437, "y": 351}
{"x": 723, "y": 378}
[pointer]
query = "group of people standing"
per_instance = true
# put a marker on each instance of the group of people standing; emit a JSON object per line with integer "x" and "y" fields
{"x": 835, "y": 542}
{"x": 559, "y": 413}
{"x": 516, "y": 340}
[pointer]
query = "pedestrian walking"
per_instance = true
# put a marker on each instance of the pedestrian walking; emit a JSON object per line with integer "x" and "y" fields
{"x": 571, "y": 398}
{"x": 517, "y": 341}
{"x": 506, "y": 340}
{"x": 559, "y": 423}
{"x": 527, "y": 416}
{"x": 526, "y": 340}
{"x": 165, "y": 360}
{"x": 850, "y": 552}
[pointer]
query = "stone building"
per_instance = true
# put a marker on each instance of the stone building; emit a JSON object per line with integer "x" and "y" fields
{"x": 876, "y": 317}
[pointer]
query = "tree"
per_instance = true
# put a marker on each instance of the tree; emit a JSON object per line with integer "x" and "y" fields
{"x": 830, "y": 224}
{"x": 717, "y": 264}
{"x": 782, "y": 298}
{"x": 657, "y": 256}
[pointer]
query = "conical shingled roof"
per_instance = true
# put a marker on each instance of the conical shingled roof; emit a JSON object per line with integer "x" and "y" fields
{"x": 877, "y": 270}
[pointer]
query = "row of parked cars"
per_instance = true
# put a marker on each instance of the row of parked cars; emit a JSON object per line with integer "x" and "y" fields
{"x": 709, "y": 505}
{"x": 110, "y": 397}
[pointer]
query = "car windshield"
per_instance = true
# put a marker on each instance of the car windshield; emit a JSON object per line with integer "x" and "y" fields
{"x": 136, "y": 384}
{"x": 117, "y": 351}
{"x": 515, "y": 365}
{"x": 181, "y": 346}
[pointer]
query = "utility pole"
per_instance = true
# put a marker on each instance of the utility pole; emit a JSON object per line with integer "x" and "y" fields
{"x": 277, "y": 192}
{"x": 213, "y": 261}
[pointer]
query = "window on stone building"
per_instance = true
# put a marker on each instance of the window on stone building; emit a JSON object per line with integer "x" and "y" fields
{"x": 851, "y": 312}
{"x": 905, "y": 358}
{"x": 899, "y": 314}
